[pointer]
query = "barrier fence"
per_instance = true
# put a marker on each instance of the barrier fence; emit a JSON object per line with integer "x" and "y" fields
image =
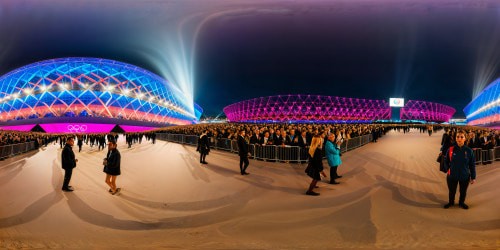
{"x": 266, "y": 152}
{"x": 14, "y": 149}
{"x": 298, "y": 154}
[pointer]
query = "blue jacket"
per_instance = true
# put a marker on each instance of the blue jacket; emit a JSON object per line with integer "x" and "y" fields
{"x": 332, "y": 154}
{"x": 462, "y": 166}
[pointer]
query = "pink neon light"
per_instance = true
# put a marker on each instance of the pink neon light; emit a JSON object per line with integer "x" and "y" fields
{"x": 128, "y": 128}
{"x": 77, "y": 128}
{"x": 18, "y": 127}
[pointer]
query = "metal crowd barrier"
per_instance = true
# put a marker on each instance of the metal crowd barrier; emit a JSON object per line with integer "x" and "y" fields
{"x": 14, "y": 149}
{"x": 486, "y": 156}
{"x": 264, "y": 152}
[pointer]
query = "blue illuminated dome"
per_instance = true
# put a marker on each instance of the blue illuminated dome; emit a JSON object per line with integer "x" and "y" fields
{"x": 92, "y": 87}
{"x": 484, "y": 110}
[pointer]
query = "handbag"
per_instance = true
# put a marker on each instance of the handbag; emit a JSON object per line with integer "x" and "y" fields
{"x": 439, "y": 157}
{"x": 442, "y": 166}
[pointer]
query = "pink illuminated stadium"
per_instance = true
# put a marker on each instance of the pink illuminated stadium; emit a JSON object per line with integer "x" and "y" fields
{"x": 330, "y": 109}
{"x": 426, "y": 111}
{"x": 303, "y": 108}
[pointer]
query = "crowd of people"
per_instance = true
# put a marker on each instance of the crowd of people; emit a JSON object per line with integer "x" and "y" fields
{"x": 14, "y": 137}
{"x": 278, "y": 134}
{"x": 320, "y": 140}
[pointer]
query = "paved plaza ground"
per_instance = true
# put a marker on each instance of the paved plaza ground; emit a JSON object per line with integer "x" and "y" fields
{"x": 390, "y": 196}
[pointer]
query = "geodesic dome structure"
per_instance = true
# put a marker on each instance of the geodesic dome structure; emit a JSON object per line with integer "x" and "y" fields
{"x": 426, "y": 111}
{"x": 307, "y": 108}
{"x": 92, "y": 87}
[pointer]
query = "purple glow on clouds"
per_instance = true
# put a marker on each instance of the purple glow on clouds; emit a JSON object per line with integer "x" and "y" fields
{"x": 77, "y": 128}
{"x": 18, "y": 127}
{"x": 135, "y": 128}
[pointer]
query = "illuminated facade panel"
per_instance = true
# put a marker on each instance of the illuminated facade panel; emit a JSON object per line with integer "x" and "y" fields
{"x": 484, "y": 110}
{"x": 92, "y": 87}
{"x": 426, "y": 111}
{"x": 308, "y": 108}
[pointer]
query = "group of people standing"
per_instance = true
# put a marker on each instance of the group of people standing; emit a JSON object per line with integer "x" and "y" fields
{"x": 111, "y": 164}
{"x": 315, "y": 166}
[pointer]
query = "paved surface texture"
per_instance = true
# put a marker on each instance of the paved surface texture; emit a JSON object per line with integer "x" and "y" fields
{"x": 390, "y": 196}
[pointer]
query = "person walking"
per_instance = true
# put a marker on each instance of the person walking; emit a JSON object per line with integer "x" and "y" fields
{"x": 243, "y": 153}
{"x": 203, "y": 146}
{"x": 461, "y": 170}
{"x": 112, "y": 167}
{"x": 68, "y": 162}
{"x": 315, "y": 166}
{"x": 80, "y": 143}
{"x": 332, "y": 151}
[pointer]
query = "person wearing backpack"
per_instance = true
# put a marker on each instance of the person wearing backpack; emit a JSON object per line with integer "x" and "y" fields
{"x": 460, "y": 164}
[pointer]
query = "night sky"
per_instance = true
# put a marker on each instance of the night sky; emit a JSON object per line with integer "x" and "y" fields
{"x": 236, "y": 50}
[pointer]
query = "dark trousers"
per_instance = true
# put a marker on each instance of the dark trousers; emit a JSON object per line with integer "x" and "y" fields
{"x": 333, "y": 173}
{"x": 202, "y": 157}
{"x": 243, "y": 160}
{"x": 452, "y": 188}
{"x": 67, "y": 177}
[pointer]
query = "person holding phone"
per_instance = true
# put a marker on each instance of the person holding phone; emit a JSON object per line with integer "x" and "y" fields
{"x": 332, "y": 150}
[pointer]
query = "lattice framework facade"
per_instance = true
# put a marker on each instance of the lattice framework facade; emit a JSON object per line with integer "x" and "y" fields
{"x": 301, "y": 108}
{"x": 91, "y": 87}
{"x": 426, "y": 111}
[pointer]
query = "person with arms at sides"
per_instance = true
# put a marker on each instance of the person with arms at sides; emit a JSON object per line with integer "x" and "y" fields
{"x": 243, "y": 153}
{"x": 203, "y": 146}
{"x": 460, "y": 164}
{"x": 80, "y": 143}
{"x": 68, "y": 161}
{"x": 112, "y": 167}
{"x": 315, "y": 166}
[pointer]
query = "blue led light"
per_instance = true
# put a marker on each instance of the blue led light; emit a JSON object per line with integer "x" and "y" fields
{"x": 485, "y": 108}
{"x": 95, "y": 87}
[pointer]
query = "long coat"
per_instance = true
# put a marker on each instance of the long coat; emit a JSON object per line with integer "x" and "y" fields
{"x": 203, "y": 144}
{"x": 68, "y": 158}
{"x": 315, "y": 165}
{"x": 242, "y": 146}
{"x": 332, "y": 154}
{"x": 113, "y": 160}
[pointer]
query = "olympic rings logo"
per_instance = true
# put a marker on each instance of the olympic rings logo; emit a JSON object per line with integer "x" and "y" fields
{"x": 76, "y": 128}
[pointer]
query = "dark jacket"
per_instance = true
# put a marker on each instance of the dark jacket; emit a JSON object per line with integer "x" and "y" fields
{"x": 254, "y": 139}
{"x": 113, "y": 163}
{"x": 462, "y": 166}
{"x": 474, "y": 143}
{"x": 203, "y": 144}
{"x": 301, "y": 143}
{"x": 242, "y": 146}
{"x": 68, "y": 158}
{"x": 315, "y": 165}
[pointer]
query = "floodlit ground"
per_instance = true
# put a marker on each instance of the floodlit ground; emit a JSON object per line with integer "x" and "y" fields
{"x": 390, "y": 196}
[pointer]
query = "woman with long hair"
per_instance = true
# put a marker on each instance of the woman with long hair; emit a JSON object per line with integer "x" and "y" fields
{"x": 315, "y": 166}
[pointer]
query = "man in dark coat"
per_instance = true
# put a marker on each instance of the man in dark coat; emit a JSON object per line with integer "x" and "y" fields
{"x": 68, "y": 161}
{"x": 80, "y": 143}
{"x": 203, "y": 146}
{"x": 243, "y": 152}
{"x": 473, "y": 141}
